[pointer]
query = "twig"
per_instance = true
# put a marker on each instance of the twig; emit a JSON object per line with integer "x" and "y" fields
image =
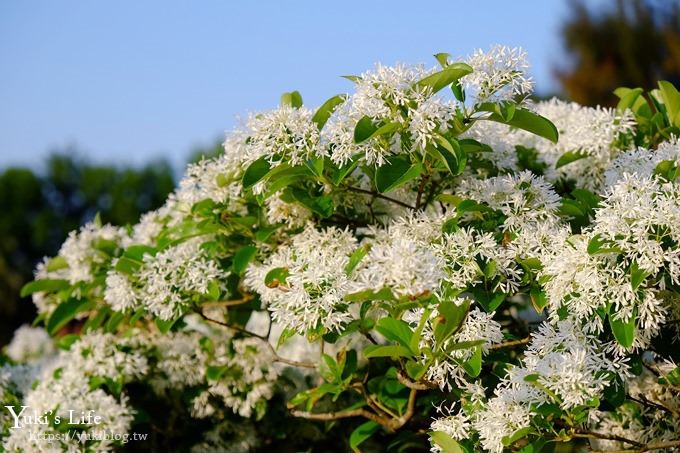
{"x": 421, "y": 189}
{"x": 341, "y": 414}
{"x": 644, "y": 448}
{"x": 510, "y": 344}
{"x": 595, "y": 435}
{"x": 379, "y": 195}
{"x": 654, "y": 405}
{"x": 390, "y": 424}
{"x": 419, "y": 385}
{"x": 232, "y": 327}
{"x": 229, "y": 303}
{"x": 277, "y": 358}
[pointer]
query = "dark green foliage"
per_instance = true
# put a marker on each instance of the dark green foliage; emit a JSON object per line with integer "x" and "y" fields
{"x": 39, "y": 209}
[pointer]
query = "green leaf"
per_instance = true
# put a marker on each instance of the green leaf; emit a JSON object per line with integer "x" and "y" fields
{"x": 538, "y": 299}
{"x": 526, "y": 120}
{"x": 397, "y": 171}
{"x": 165, "y": 325}
{"x": 255, "y": 172}
{"x": 449, "y": 321}
{"x": 47, "y": 285}
{"x": 668, "y": 170}
{"x": 292, "y": 99}
{"x": 416, "y": 369}
{"x": 627, "y": 97}
{"x": 324, "y": 112}
{"x": 569, "y": 157}
{"x": 315, "y": 165}
{"x": 445, "y": 442}
{"x": 458, "y": 91}
{"x": 338, "y": 174}
{"x": 519, "y": 434}
{"x": 364, "y": 129}
{"x": 442, "y": 58}
{"x": 285, "y": 335}
{"x": 114, "y": 321}
{"x": 276, "y": 277}
{"x": 264, "y": 233}
{"x": 369, "y": 294}
{"x": 671, "y": 99}
{"x": 445, "y": 77}
{"x": 242, "y": 257}
{"x": 473, "y": 366}
{"x": 322, "y": 205}
{"x": 390, "y": 350}
{"x": 451, "y": 155}
{"x": 615, "y": 392}
{"x": 355, "y": 259}
{"x": 127, "y": 266}
{"x": 395, "y": 330}
{"x": 637, "y": 276}
{"x": 137, "y": 252}
{"x": 587, "y": 198}
{"x": 624, "y": 331}
{"x": 66, "y": 341}
{"x": 328, "y": 369}
{"x": 56, "y": 263}
{"x": 361, "y": 433}
{"x": 214, "y": 373}
{"x": 598, "y": 245}
{"x": 463, "y": 345}
{"x": 65, "y": 312}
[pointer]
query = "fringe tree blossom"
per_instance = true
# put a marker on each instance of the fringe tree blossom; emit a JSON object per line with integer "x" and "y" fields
{"x": 429, "y": 246}
{"x": 499, "y": 74}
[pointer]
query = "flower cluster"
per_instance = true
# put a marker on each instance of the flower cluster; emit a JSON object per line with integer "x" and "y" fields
{"x": 508, "y": 271}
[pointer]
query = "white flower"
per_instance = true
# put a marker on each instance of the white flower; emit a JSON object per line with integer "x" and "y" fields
{"x": 292, "y": 214}
{"x": 456, "y": 425}
{"x": 642, "y": 162}
{"x": 80, "y": 253}
{"x": 478, "y": 326}
{"x": 285, "y": 132}
{"x": 526, "y": 199}
{"x": 29, "y": 344}
{"x": 315, "y": 283}
{"x": 498, "y": 75}
{"x": 119, "y": 292}
{"x": 168, "y": 277}
{"x": 587, "y": 130}
{"x": 400, "y": 258}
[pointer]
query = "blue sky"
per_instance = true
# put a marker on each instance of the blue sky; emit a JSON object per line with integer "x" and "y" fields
{"x": 130, "y": 80}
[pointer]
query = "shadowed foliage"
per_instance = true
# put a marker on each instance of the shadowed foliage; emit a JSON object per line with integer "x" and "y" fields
{"x": 39, "y": 209}
{"x": 630, "y": 43}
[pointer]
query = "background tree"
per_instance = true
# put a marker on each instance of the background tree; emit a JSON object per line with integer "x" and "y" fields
{"x": 38, "y": 211}
{"x": 630, "y": 43}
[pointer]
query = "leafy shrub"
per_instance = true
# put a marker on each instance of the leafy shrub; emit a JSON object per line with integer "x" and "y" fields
{"x": 433, "y": 261}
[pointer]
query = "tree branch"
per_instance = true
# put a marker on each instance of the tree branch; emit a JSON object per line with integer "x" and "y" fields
{"x": 264, "y": 339}
{"x": 341, "y": 414}
{"x": 390, "y": 424}
{"x": 414, "y": 385}
{"x": 644, "y": 448}
{"x": 231, "y": 326}
{"x": 510, "y": 344}
{"x": 421, "y": 189}
{"x": 379, "y": 195}
{"x": 229, "y": 303}
{"x": 595, "y": 435}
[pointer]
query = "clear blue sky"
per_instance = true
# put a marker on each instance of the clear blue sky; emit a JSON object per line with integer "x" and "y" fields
{"x": 132, "y": 80}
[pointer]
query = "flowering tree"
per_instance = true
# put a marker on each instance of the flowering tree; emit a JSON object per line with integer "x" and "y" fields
{"x": 433, "y": 261}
